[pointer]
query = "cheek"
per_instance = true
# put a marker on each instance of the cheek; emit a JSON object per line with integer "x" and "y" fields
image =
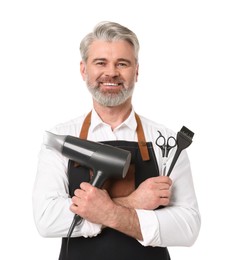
{"x": 91, "y": 75}
{"x": 134, "y": 78}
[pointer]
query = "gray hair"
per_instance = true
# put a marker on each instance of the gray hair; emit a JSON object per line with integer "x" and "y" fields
{"x": 109, "y": 31}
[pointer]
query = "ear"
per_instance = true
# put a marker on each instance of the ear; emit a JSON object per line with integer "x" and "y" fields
{"x": 83, "y": 70}
{"x": 137, "y": 73}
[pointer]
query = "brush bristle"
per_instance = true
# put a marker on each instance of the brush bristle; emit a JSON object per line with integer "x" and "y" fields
{"x": 187, "y": 132}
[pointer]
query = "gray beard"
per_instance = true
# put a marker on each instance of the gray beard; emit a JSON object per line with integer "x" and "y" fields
{"x": 110, "y": 99}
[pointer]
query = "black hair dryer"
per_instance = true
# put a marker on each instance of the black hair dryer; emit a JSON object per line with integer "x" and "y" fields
{"x": 106, "y": 161}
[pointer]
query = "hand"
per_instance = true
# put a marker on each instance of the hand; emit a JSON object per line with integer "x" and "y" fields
{"x": 151, "y": 194}
{"x": 92, "y": 204}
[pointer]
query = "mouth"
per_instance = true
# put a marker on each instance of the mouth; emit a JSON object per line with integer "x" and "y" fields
{"x": 111, "y": 87}
{"x": 110, "y": 84}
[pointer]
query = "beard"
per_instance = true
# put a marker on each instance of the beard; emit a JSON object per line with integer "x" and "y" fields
{"x": 110, "y": 98}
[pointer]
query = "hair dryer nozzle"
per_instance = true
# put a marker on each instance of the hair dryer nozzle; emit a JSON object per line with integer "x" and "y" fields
{"x": 53, "y": 141}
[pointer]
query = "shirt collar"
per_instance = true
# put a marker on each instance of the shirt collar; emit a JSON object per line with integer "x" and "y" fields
{"x": 130, "y": 122}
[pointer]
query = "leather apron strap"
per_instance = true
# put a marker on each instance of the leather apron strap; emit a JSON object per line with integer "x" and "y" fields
{"x": 140, "y": 134}
{"x": 85, "y": 126}
{"x": 141, "y": 140}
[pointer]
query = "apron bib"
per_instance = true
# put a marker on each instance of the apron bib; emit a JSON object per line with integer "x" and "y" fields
{"x": 111, "y": 244}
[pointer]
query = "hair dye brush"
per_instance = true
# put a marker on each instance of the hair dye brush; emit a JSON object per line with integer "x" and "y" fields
{"x": 183, "y": 140}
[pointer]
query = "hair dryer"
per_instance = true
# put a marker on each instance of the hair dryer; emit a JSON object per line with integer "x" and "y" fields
{"x": 106, "y": 161}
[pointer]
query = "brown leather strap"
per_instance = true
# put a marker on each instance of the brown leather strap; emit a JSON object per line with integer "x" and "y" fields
{"x": 85, "y": 126}
{"x": 141, "y": 140}
{"x": 141, "y": 137}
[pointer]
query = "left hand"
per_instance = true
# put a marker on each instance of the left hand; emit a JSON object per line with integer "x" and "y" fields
{"x": 92, "y": 204}
{"x": 152, "y": 193}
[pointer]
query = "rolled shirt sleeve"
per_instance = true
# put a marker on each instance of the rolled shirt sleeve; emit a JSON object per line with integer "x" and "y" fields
{"x": 149, "y": 227}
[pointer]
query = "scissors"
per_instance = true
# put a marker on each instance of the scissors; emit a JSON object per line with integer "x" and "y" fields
{"x": 164, "y": 145}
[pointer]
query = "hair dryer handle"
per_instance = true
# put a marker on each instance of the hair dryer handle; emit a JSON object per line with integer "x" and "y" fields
{"x": 98, "y": 179}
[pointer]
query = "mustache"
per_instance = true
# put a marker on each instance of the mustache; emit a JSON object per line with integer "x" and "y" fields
{"x": 115, "y": 80}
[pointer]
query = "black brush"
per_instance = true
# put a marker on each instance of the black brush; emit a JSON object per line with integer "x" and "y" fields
{"x": 183, "y": 139}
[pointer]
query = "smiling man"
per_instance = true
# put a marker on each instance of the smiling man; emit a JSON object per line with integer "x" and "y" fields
{"x": 110, "y": 72}
{"x": 134, "y": 218}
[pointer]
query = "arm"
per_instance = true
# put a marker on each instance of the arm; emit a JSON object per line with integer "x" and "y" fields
{"x": 96, "y": 205}
{"x": 150, "y": 194}
{"x": 178, "y": 224}
{"x": 51, "y": 200}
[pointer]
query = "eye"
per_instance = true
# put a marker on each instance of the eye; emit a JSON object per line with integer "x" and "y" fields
{"x": 122, "y": 64}
{"x": 100, "y": 63}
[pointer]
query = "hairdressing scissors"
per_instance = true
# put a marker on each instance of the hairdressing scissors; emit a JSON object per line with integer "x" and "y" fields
{"x": 164, "y": 145}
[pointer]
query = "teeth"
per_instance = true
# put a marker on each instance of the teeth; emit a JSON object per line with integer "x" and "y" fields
{"x": 110, "y": 84}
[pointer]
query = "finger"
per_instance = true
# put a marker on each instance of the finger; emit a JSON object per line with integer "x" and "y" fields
{"x": 75, "y": 200}
{"x": 163, "y": 179}
{"x": 164, "y": 201}
{"x": 165, "y": 194}
{"x": 78, "y": 195}
{"x": 73, "y": 208}
{"x": 79, "y": 192}
{"x": 164, "y": 186}
{"x": 85, "y": 186}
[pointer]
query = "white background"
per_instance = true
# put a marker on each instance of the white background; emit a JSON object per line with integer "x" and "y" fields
{"x": 185, "y": 79}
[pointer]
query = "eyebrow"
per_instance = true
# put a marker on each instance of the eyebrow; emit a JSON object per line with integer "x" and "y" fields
{"x": 125, "y": 60}
{"x": 118, "y": 60}
{"x": 98, "y": 59}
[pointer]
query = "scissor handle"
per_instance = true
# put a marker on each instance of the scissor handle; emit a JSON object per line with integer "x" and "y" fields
{"x": 171, "y": 142}
{"x": 165, "y": 146}
{"x": 160, "y": 141}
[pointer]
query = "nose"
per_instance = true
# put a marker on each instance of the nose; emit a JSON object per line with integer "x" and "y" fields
{"x": 111, "y": 71}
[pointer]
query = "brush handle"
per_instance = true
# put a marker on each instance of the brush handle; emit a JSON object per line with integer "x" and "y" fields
{"x": 176, "y": 156}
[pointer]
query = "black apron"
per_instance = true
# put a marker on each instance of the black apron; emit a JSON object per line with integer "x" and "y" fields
{"x": 111, "y": 244}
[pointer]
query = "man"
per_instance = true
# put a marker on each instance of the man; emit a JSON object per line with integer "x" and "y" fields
{"x": 139, "y": 216}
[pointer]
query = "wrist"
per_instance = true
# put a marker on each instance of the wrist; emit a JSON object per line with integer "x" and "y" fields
{"x": 125, "y": 220}
{"x": 123, "y": 201}
{"x": 120, "y": 216}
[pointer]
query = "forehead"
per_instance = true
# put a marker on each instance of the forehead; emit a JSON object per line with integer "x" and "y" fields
{"x": 111, "y": 50}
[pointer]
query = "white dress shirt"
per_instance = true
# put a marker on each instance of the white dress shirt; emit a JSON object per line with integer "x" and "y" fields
{"x": 175, "y": 225}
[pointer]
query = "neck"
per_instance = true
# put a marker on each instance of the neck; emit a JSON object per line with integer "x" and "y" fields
{"x": 113, "y": 116}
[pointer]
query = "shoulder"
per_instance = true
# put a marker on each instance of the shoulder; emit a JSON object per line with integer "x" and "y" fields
{"x": 71, "y": 127}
